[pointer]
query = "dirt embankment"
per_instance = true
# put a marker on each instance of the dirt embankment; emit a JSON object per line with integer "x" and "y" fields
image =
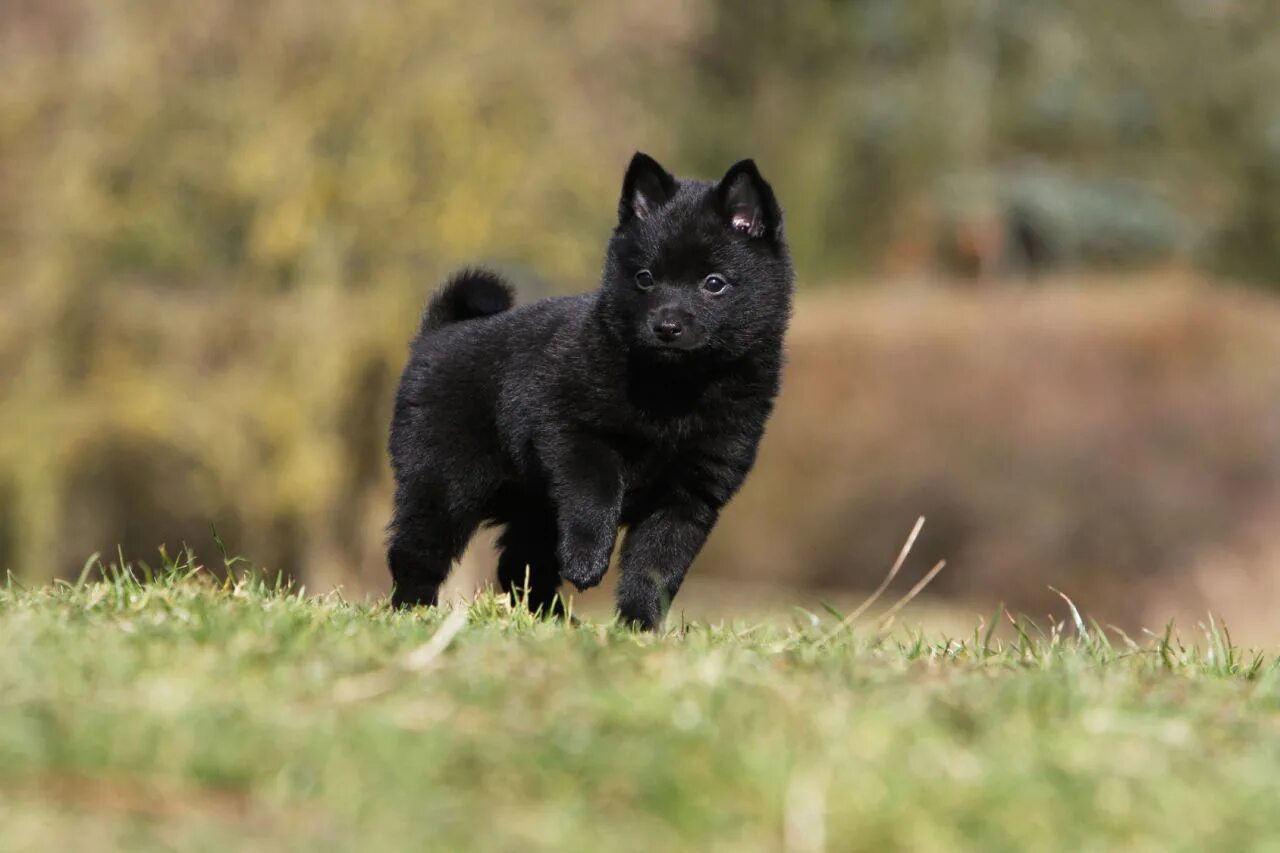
{"x": 1120, "y": 443}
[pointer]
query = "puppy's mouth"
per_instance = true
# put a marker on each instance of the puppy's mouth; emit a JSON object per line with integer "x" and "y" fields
{"x": 672, "y": 349}
{"x": 673, "y": 340}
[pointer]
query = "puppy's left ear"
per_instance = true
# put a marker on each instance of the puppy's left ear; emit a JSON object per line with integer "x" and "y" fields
{"x": 747, "y": 201}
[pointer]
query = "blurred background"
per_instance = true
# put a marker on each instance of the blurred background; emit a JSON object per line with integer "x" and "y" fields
{"x": 1038, "y": 249}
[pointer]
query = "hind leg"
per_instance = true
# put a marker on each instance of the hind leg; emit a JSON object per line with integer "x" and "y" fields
{"x": 426, "y": 538}
{"x": 527, "y": 566}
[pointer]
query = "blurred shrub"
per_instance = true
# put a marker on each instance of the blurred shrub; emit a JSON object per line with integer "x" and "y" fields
{"x": 869, "y": 110}
{"x": 1036, "y": 220}
{"x": 217, "y": 223}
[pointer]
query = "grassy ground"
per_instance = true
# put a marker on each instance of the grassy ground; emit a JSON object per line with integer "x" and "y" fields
{"x": 185, "y": 714}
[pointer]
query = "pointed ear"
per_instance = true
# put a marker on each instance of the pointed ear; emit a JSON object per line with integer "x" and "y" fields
{"x": 747, "y": 201}
{"x": 646, "y": 187}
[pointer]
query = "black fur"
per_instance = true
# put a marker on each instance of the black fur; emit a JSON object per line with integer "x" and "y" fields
{"x": 640, "y": 404}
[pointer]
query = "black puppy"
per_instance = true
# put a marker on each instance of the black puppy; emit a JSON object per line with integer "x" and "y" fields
{"x": 639, "y": 404}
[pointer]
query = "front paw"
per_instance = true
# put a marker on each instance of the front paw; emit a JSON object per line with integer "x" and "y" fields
{"x": 639, "y": 610}
{"x": 585, "y": 571}
{"x": 407, "y": 597}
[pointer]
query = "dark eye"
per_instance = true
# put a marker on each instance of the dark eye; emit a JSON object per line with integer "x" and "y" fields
{"x": 715, "y": 284}
{"x": 644, "y": 279}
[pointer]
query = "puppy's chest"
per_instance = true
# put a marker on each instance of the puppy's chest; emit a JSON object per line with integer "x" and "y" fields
{"x": 649, "y": 462}
{"x": 652, "y": 435}
{"x": 669, "y": 439}
{"x": 657, "y": 453}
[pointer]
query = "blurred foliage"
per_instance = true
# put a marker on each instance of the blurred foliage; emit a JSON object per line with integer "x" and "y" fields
{"x": 217, "y": 223}
{"x": 866, "y": 109}
{"x": 218, "y": 220}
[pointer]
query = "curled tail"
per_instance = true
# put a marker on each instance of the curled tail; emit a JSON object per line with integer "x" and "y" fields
{"x": 466, "y": 295}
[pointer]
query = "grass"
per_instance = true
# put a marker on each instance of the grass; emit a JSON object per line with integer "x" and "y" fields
{"x": 190, "y": 713}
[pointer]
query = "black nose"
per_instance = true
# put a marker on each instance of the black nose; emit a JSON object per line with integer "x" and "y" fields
{"x": 668, "y": 329}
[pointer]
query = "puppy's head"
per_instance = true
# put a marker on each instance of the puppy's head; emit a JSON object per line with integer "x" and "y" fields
{"x": 697, "y": 266}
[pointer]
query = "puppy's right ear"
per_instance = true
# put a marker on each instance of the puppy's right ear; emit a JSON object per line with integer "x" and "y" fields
{"x": 646, "y": 187}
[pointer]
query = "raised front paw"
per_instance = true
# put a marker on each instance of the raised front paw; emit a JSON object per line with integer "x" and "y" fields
{"x": 585, "y": 570}
{"x": 584, "y": 553}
